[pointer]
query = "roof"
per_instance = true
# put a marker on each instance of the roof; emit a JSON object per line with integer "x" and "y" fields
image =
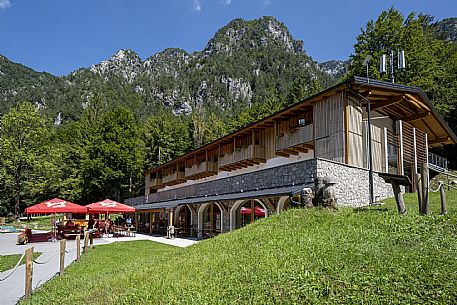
{"x": 396, "y": 100}
{"x": 406, "y": 103}
{"x": 285, "y": 190}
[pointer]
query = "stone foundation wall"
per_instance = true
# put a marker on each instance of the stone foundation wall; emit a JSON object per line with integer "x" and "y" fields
{"x": 352, "y": 188}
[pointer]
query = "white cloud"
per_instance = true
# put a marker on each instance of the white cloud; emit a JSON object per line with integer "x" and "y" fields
{"x": 5, "y": 4}
{"x": 197, "y": 5}
{"x": 227, "y": 2}
{"x": 267, "y": 2}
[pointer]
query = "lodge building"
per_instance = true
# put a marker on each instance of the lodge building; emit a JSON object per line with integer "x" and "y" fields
{"x": 262, "y": 168}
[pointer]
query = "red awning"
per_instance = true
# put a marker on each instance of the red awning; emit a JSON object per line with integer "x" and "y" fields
{"x": 56, "y": 205}
{"x": 109, "y": 206}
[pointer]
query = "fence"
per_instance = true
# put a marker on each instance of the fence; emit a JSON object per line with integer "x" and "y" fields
{"x": 437, "y": 162}
{"x": 29, "y": 261}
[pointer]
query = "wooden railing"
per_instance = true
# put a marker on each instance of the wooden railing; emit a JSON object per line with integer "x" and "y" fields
{"x": 201, "y": 168}
{"x": 295, "y": 137}
{"x": 243, "y": 154}
{"x": 226, "y": 159}
{"x": 173, "y": 177}
{"x": 155, "y": 182}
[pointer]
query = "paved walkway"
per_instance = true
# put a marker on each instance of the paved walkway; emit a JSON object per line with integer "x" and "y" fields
{"x": 12, "y": 289}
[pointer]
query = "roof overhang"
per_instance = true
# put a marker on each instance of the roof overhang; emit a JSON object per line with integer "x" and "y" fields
{"x": 406, "y": 103}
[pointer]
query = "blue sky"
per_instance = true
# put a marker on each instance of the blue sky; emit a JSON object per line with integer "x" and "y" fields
{"x": 59, "y": 36}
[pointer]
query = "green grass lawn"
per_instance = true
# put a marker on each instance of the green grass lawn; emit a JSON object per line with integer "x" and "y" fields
{"x": 36, "y": 223}
{"x": 8, "y": 262}
{"x": 314, "y": 256}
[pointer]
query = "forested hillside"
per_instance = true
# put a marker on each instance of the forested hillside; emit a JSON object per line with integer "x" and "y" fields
{"x": 92, "y": 133}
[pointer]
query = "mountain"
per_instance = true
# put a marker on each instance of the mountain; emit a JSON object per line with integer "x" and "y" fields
{"x": 336, "y": 69}
{"x": 446, "y": 29}
{"x": 242, "y": 64}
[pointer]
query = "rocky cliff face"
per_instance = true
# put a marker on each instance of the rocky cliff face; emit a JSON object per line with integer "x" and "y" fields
{"x": 334, "y": 68}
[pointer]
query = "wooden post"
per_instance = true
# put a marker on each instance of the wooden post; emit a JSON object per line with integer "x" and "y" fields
{"x": 136, "y": 221}
{"x": 399, "y": 198}
{"x": 443, "y": 200}
{"x": 62, "y": 256}
{"x": 78, "y": 247}
{"x": 252, "y": 211}
{"x": 28, "y": 272}
{"x": 150, "y": 221}
{"x": 86, "y": 242}
{"x": 211, "y": 218}
{"x": 419, "y": 190}
{"x": 425, "y": 184}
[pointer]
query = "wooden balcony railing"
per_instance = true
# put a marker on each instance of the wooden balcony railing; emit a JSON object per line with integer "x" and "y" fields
{"x": 204, "y": 169}
{"x": 173, "y": 178}
{"x": 155, "y": 183}
{"x": 295, "y": 138}
{"x": 242, "y": 157}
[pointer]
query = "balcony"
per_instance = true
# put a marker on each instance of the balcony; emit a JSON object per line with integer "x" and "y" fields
{"x": 295, "y": 141}
{"x": 173, "y": 178}
{"x": 437, "y": 163}
{"x": 204, "y": 169}
{"x": 242, "y": 157}
{"x": 155, "y": 183}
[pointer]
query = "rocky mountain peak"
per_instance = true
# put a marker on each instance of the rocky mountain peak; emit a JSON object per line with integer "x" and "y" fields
{"x": 125, "y": 63}
{"x": 259, "y": 33}
{"x": 334, "y": 68}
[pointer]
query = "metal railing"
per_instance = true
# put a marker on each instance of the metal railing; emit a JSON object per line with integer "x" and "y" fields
{"x": 438, "y": 163}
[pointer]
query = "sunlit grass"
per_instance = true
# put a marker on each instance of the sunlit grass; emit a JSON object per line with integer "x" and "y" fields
{"x": 316, "y": 256}
{"x": 8, "y": 262}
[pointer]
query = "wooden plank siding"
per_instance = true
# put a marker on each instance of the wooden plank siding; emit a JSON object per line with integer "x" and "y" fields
{"x": 355, "y": 132}
{"x": 329, "y": 128}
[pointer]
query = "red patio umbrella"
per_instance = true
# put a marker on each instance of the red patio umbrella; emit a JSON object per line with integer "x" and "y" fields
{"x": 257, "y": 211}
{"x": 54, "y": 206}
{"x": 109, "y": 206}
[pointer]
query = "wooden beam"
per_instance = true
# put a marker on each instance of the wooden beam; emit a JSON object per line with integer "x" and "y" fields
{"x": 439, "y": 140}
{"x": 282, "y": 154}
{"x": 386, "y": 103}
{"x": 416, "y": 117}
{"x": 419, "y": 103}
{"x": 300, "y": 149}
{"x": 291, "y": 152}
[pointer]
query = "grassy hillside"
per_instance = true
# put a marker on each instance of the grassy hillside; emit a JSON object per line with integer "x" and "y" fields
{"x": 315, "y": 256}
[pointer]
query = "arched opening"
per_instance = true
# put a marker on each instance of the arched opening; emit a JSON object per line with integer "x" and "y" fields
{"x": 210, "y": 220}
{"x": 283, "y": 204}
{"x": 247, "y": 211}
{"x": 183, "y": 221}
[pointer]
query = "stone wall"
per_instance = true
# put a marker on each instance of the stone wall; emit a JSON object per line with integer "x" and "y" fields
{"x": 290, "y": 174}
{"x": 352, "y": 188}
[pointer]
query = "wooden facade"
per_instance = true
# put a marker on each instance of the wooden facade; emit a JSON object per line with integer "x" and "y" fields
{"x": 332, "y": 125}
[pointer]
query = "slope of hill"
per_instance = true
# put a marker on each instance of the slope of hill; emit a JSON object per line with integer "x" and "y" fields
{"x": 314, "y": 256}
